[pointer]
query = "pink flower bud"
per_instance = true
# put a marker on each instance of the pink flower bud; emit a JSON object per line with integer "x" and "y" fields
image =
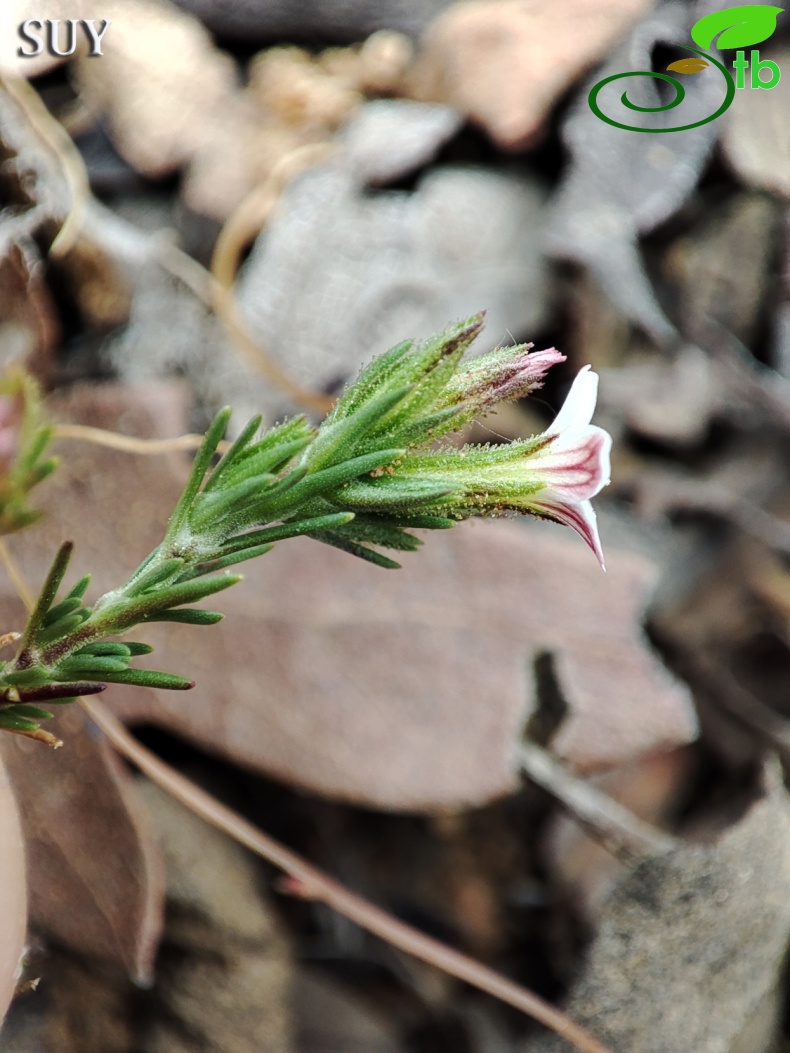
{"x": 501, "y": 376}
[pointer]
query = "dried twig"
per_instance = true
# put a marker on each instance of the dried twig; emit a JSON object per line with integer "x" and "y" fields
{"x": 736, "y": 701}
{"x": 130, "y": 443}
{"x": 248, "y": 219}
{"x": 609, "y": 822}
{"x": 310, "y": 882}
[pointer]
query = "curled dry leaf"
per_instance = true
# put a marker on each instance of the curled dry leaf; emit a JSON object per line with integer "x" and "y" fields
{"x": 13, "y": 904}
{"x": 504, "y": 63}
{"x": 689, "y": 951}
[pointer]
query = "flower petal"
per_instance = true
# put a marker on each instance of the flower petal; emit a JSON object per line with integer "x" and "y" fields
{"x": 578, "y": 515}
{"x": 575, "y": 467}
{"x": 579, "y": 405}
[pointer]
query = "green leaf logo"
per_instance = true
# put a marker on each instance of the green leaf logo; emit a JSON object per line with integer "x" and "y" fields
{"x": 738, "y": 27}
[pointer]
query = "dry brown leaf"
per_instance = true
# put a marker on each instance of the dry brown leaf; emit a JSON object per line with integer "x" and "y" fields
{"x": 724, "y": 270}
{"x": 172, "y": 100}
{"x": 689, "y": 952}
{"x": 403, "y": 690}
{"x": 651, "y": 789}
{"x": 94, "y": 873}
{"x": 504, "y": 63}
{"x": 160, "y": 82}
{"x": 13, "y": 913}
{"x": 669, "y": 401}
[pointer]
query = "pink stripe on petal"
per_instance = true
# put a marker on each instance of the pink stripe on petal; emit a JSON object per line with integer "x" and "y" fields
{"x": 579, "y": 470}
{"x": 579, "y": 516}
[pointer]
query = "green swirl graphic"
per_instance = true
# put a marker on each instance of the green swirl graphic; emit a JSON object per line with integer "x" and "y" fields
{"x": 680, "y": 94}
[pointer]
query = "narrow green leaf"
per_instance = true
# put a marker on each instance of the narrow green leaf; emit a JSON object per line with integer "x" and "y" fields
{"x": 421, "y": 522}
{"x": 357, "y": 550}
{"x": 108, "y": 649}
{"x": 290, "y": 529}
{"x": 263, "y": 459}
{"x": 174, "y": 596}
{"x": 433, "y": 426}
{"x": 24, "y": 677}
{"x": 79, "y": 590}
{"x": 369, "y": 530}
{"x": 329, "y": 479}
{"x": 60, "y": 610}
{"x": 156, "y": 575}
{"x": 8, "y": 720}
{"x": 150, "y": 678}
{"x": 237, "y": 446}
{"x": 61, "y": 628}
{"x": 210, "y": 511}
{"x": 200, "y": 466}
{"x": 49, "y": 591}
{"x": 370, "y": 380}
{"x": 136, "y": 649}
{"x": 230, "y": 559}
{"x": 31, "y": 712}
{"x": 40, "y": 471}
{"x": 393, "y": 494}
{"x": 341, "y": 439}
{"x": 186, "y": 615}
{"x": 88, "y": 667}
{"x": 258, "y": 509}
{"x": 38, "y": 444}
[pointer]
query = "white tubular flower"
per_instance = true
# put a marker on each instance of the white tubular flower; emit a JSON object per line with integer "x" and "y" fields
{"x": 575, "y": 464}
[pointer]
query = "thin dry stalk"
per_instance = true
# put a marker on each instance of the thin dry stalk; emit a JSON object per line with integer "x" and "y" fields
{"x": 608, "y": 821}
{"x": 130, "y": 443}
{"x": 310, "y": 882}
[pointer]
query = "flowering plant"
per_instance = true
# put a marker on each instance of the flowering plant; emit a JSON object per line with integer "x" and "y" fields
{"x": 364, "y": 480}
